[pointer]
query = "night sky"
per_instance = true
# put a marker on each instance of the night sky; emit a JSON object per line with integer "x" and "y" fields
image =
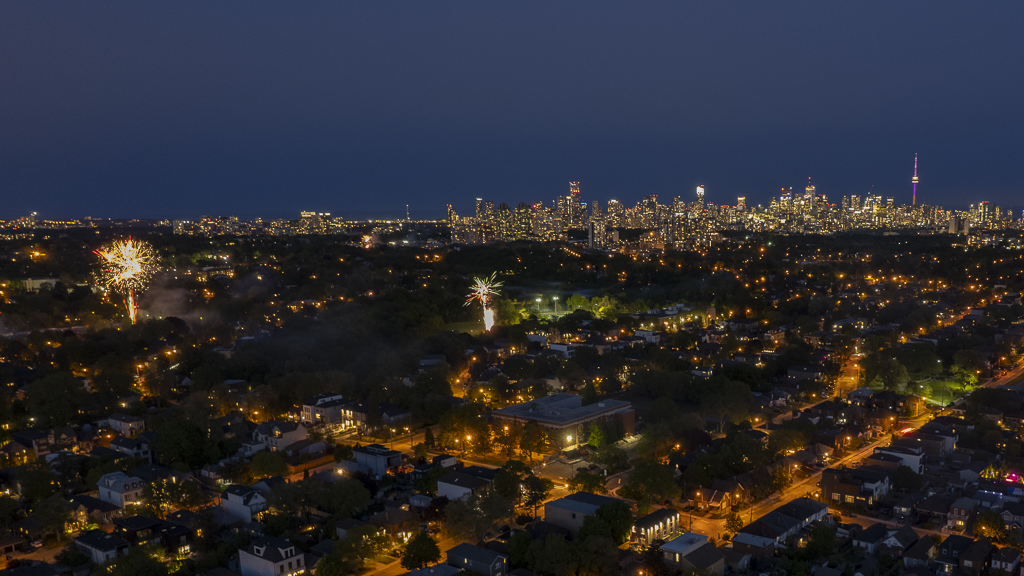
{"x": 180, "y": 109}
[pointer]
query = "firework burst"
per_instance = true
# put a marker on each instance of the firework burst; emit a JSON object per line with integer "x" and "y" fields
{"x": 483, "y": 291}
{"x": 126, "y": 267}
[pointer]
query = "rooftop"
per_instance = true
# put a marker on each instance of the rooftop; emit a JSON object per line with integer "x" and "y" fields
{"x": 561, "y": 409}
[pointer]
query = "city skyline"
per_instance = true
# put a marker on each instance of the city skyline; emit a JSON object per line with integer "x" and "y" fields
{"x": 363, "y": 109}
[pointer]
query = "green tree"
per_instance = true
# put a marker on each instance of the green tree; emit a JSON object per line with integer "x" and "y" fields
{"x": 586, "y": 481}
{"x": 145, "y": 560}
{"x": 421, "y": 551}
{"x": 343, "y": 452}
{"x": 552, "y": 555}
{"x": 508, "y": 480}
{"x": 989, "y": 524}
{"x": 180, "y": 441}
{"x": 55, "y": 400}
{"x": 821, "y": 542}
{"x": 733, "y": 523}
{"x": 613, "y": 521}
{"x": 37, "y": 481}
{"x": 905, "y": 479}
{"x": 53, "y": 514}
{"x": 532, "y": 440}
{"x": 428, "y": 437}
{"x": 266, "y": 464}
{"x": 537, "y": 490}
{"x": 650, "y": 482}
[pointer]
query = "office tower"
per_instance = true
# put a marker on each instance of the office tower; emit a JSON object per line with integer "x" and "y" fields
{"x": 700, "y": 196}
{"x": 614, "y": 213}
{"x": 489, "y": 209}
{"x": 741, "y": 203}
{"x": 914, "y": 181}
{"x": 479, "y": 208}
{"x": 452, "y": 216}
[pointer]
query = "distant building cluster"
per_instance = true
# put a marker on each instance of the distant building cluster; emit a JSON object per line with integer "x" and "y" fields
{"x": 698, "y": 223}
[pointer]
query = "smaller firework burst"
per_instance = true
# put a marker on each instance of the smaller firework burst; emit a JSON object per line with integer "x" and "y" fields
{"x": 484, "y": 290}
{"x": 126, "y": 267}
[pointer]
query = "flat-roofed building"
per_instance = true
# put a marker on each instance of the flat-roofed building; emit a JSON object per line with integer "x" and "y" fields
{"x": 565, "y": 417}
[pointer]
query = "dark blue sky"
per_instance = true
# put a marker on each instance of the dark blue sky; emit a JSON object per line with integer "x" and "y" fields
{"x": 177, "y": 109}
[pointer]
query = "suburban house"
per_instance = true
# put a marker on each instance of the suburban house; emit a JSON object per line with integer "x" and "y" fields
{"x": 856, "y": 486}
{"x": 271, "y": 556}
{"x": 377, "y": 459}
{"x": 323, "y": 409}
{"x": 126, "y": 425}
{"x": 776, "y": 527}
{"x": 870, "y": 539}
{"x": 960, "y": 514}
{"x": 694, "y": 552}
{"x": 100, "y": 546}
{"x": 278, "y": 434}
{"x": 120, "y": 489}
{"x": 564, "y": 415}
{"x": 478, "y": 560}
{"x": 569, "y": 512}
{"x": 133, "y": 447}
{"x": 1006, "y": 559}
{"x": 458, "y": 485}
{"x": 243, "y": 502}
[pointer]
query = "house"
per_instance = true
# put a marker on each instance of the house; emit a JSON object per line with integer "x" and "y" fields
{"x": 86, "y": 509}
{"x": 278, "y": 434}
{"x": 905, "y": 507}
{"x": 870, "y": 539}
{"x": 126, "y": 425}
{"x": 459, "y": 485}
{"x": 952, "y": 547}
{"x": 1013, "y": 515}
{"x": 897, "y": 541}
{"x": 478, "y": 560}
{"x": 569, "y": 512}
{"x": 781, "y": 524}
{"x": 920, "y": 553}
{"x": 961, "y": 511}
{"x": 120, "y": 489}
{"x": 910, "y": 454}
{"x": 376, "y": 458}
{"x": 243, "y": 502}
{"x": 693, "y": 552}
{"x": 1006, "y": 559}
{"x": 856, "y": 486}
{"x": 797, "y": 374}
{"x": 395, "y": 522}
{"x": 935, "y": 508}
{"x": 100, "y": 546}
{"x": 658, "y": 525}
{"x": 271, "y": 556}
{"x": 28, "y": 441}
{"x": 860, "y": 396}
{"x": 133, "y": 448}
{"x": 976, "y": 557}
{"x": 345, "y": 526}
{"x": 363, "y": 415}
{"x": 322, "y": 409}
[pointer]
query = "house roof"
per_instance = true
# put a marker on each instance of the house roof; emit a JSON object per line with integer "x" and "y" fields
{"x": 920, "y": 549}
{"x": 273, "y": 548}
{"x": 92, "y": 504}
{"x": 475, "y": 553}
{"x": 463, "y": 480}
{"x": 705, "y": 556}
{"x": 656, "y": 517}
{"x": 905, "y": 536}
{"x": 872, "y": 534}
{"x": 100, "y": 540}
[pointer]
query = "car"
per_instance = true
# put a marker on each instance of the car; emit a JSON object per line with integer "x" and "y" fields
{"x": 37, "y": 544}
{"x": 582, "y": 469}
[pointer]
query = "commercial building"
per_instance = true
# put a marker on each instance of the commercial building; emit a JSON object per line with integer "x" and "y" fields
{"x": 565, "y": 417}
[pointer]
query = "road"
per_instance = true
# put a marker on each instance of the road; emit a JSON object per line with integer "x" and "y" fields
{"x": 1011, "y": 376}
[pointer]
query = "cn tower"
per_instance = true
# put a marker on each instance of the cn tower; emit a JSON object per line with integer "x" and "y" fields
{"x": 914, "y": 181}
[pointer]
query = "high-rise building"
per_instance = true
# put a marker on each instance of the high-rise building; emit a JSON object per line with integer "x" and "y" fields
{"x": 741, "y": 203}
{"x": 452, "y": 216}
{"x": 479, "y": 208}
{"x": 700, "y": 196}
{"x": 914, "y": 182}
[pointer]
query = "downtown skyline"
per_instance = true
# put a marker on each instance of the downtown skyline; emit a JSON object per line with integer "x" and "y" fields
{"x": 360, "y": 110}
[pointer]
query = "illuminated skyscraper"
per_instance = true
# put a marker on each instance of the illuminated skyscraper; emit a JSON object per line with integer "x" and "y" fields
{"x": 479, "y": 208}
{"x": 914, "y": 181}
{"x": 741, "y": 203}
{"x": 700, "y": 195}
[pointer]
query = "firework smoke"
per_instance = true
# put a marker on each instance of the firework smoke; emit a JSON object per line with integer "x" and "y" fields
{"x": 126, "y": 267}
